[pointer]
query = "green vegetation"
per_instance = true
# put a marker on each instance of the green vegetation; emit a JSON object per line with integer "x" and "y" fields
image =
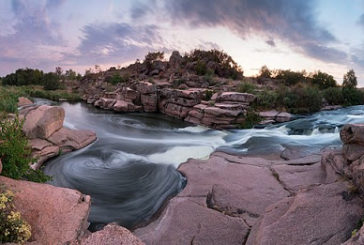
{"x": 9, "y": 100}
{"x": 297, "y": 92}
{"x": 323, "y": 80}
{"x": 49, "y": 81}
{"x": 13, "y": 229}
{"x": 15, "y": 152}
{"x": 247, "y": 87}
{"x": 214, "y": 62}
{"x": 251, "y": 119}
{"x": 350, "y": 80}
{"x": 117, "y": 78}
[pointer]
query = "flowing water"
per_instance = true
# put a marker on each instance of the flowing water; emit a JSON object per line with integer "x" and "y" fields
{"x": 131, "y": 169}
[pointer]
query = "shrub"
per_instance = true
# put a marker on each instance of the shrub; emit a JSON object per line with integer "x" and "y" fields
{"x": 334, "y": 96}
{"x": 267, "y": 99}
{"x": 116, "y": 78}
{"x": 13, "y": 228}
{"x": 323, "y": 80}
{"x": 200, "y": 68}
{"x": 265, "y": 72}
{"x": 15, "y": 152}
{"x": 247, "y": 87}
{"x": 251, "y": 119}
{"x": 290, "y": 77}
{"x": 303, "y": 100}
{"x": 51, "y": 81}
{"x": 352, "y": 96}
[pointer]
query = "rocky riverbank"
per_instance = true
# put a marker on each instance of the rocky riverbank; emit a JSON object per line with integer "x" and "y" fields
{"x": 253, "y": 200}
{"x": 43, "y": 126}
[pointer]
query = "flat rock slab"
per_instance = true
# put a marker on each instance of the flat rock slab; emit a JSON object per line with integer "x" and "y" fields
{"x": 69, "y": 139}
{"x": 323, "y": 214}
{"x": 296, "y": 177}
{"x": 186, "y": 222}
{"x": 56, "y": 215}
{"x": 250, "y": 188}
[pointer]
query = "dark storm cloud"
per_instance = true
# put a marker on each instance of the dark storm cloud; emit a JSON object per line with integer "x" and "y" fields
{"x": 116, "y": 42}
{"x": 291, "y": 20}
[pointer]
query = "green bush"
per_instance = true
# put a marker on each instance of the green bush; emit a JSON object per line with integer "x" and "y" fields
{"x": 334, "y": 96}
{"x": 251, "y": 119}
{"x": 267, "y": 99}
{"x": 323, "y": 80}
{"x": 51, "y": 81}
{"x": 15, "y": 152}
{"x": 302, "y": 100}
{"x": 247, "y": 87}
{"x": 352, "y": 96}
{"x": 290, "y": 77}
{"x": 116, "y": 78}
{"x": 13, "y": 229}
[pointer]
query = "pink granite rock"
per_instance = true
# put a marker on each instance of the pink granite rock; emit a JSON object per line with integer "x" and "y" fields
{"x": 43, "y": 121}
{"x": 56, "y": 215}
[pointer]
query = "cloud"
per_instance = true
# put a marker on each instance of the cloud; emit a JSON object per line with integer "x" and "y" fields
{"x": 292, "y": 21}
{"x": 116, "y": 43}
{"x": 34, "y": 39}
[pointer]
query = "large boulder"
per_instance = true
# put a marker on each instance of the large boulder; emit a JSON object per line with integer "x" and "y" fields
{"x": 357, "y": 238}
{"x": 43, "y": 121}
{"x": 322, "y": 214}
{"x": 112, "y": 234}
{"x": 352, "y": 134}
{"x": 56, "y": 215}
{"x": 69, "y": 140}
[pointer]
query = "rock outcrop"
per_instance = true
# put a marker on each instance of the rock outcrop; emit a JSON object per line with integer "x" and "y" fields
{"x": 224, "y": 110}
{"x": 56, "y": 215}
{"x": 43, "y": 125}
{"x": 43, "y": 121}
{"x": 238, "y": 199}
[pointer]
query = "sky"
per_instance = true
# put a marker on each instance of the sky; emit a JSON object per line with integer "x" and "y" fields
{"x": 311, "y": 35}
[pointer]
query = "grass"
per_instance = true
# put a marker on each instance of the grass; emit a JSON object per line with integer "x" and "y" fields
{"x": 9, "y": 95}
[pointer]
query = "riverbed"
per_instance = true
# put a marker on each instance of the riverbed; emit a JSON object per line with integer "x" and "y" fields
{"x": 132, "y": 168}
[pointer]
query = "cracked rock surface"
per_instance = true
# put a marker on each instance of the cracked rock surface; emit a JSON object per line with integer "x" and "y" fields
{"x": 233, "y": 199}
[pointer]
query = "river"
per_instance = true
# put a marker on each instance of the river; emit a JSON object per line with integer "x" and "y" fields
{"x": 131, "y": 169}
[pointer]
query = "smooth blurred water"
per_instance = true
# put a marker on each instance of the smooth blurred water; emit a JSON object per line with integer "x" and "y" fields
{"x": 131, "y": 169}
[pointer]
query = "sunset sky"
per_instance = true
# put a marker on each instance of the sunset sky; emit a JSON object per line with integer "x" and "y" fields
{"x": 282, "y": 34}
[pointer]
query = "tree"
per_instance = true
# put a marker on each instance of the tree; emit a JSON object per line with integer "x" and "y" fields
{"x": 323, "y": 80}
{"x": 70, "y": 74}
{"x": 350, "y": 80}
{"x": 265, "y": 72}
{"x": 51, "y": 81}
{"x": 59, "y": 71}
